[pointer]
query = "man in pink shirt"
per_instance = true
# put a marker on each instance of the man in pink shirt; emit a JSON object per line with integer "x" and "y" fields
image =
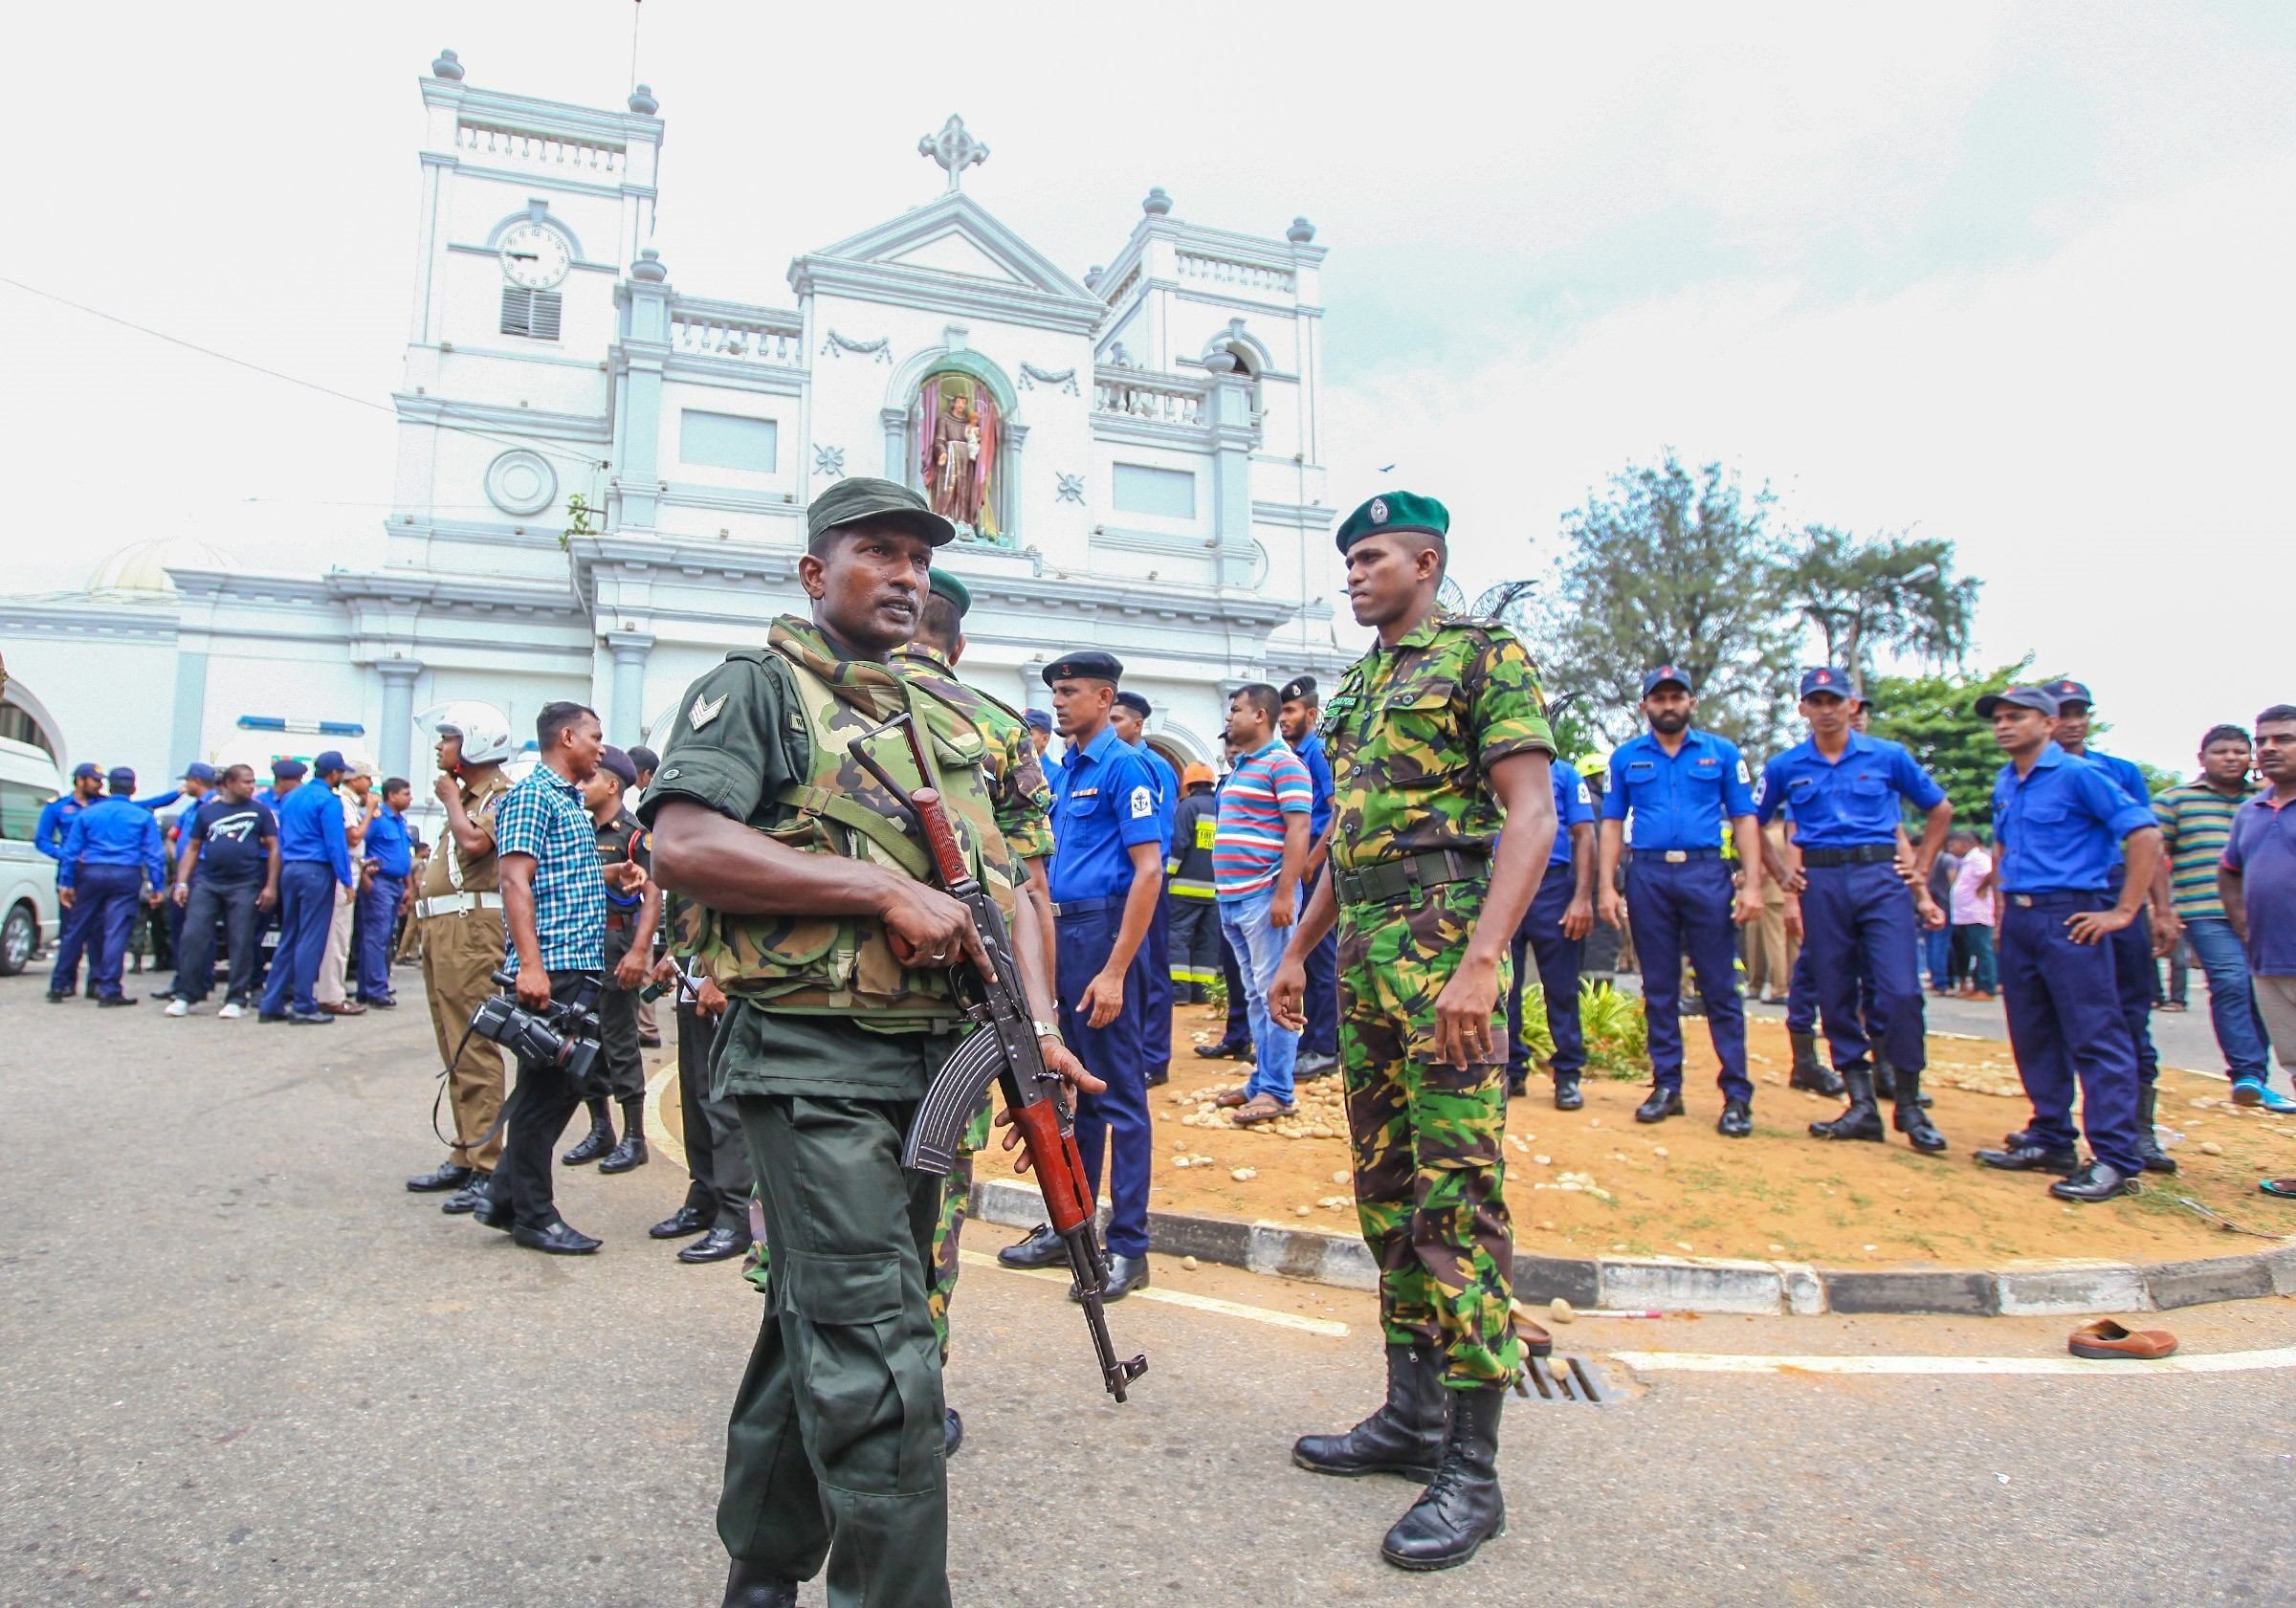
{"x": 1973, "y": 957}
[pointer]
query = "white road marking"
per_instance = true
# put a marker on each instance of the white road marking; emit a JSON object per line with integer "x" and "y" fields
{"x": 1180, "y": 1298}
{"x": 657, "y": 1131}
{"x": 1725, "y": 1362}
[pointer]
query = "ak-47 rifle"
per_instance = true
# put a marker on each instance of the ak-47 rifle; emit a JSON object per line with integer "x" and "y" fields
{"x": 1000, "y": 1049}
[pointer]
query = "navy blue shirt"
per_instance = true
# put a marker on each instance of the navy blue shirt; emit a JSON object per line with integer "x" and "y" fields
{"x": 1573, "y": 807}
{"x": 118, "y": 831}
{"x": 231, "y": 838}
{"x": 1846, "y": 803}
{"x": 1309, "y": 749}
{"x": 311, "y": 829}
{"x": 2060, "y": 826}
{"x": 1678, "y": 800}
{"x": 1103, "y": 806}
{"x": 56, "y": 816}
{"x": 386, "y": 843}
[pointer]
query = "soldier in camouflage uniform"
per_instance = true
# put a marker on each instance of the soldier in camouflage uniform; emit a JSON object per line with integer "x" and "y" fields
{"x": 815, "y": 913}
{"x": 1436, "y": 738}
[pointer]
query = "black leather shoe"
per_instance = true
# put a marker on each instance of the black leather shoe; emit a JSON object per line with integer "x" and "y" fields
{"x": 1737, "y": 1119}
{"x": 270, "y": 1016}
{"x": 2032, "y": 1159}
{"x": 1862, "y": 1120}
{"x": 952, "y": 1433}
{"x": 1515, "y": 1086}
{"x": 470, "y": 1196}
{"x": 1461, "y": 1507}
{"x": 749, "y": 1586}
{"x": 493, "y": 1211}
{"x": 1664, "y": 1101}
{"x": 625, "y": 1157}
{"x": 688, "y": 1219}
{"x": 1042, "y": 1248}
{"x": 2099, "y": 1180}
{"x": 1125, "y": 1274}
{"x": 1403, "y": 1437}
{"x": 597, "y": 1142}
{"x": 114, "y": 1000}
{"x": 309, "y": 1019}
{"x": 716, "y": 1246}
{"x": 59, "y": 996}
{"x": 650, "y": 1044}
{"x": 558, "y": 1237}
{"x": 1225, "y": 1051}
{"x": 1567, "y": 1097}
{"x": 448, "y": 1177}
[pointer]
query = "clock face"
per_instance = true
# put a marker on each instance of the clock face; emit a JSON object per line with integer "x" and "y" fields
{"x": 535, "y": 256}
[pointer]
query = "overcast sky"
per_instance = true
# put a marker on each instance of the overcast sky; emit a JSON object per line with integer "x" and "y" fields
{"x": 2016, "y": 276}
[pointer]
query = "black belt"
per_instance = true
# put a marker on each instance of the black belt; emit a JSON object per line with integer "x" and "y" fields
{"x": 1088, "y": 907}
{"x": 1676, "y": 856}
{"x": 1382, "y": 880}
{"x": 2053, "y": 897}
{"x": 1864, "y": 854}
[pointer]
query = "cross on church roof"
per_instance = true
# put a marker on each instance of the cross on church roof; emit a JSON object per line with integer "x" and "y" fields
{"x": 953, "y": 149}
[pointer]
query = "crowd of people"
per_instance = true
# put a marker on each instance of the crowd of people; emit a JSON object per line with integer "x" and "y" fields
{"x": 1377, "y": 878}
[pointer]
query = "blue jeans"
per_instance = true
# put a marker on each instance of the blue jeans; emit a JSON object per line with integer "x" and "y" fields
{"x": 306, "y": 910}
{"x": 2231, "y": 999}
{"x": 1937, "y": 950}
{"x": 378, "y": 917}
{"x": 1973, "y": 956}
{"x": 1258, "y": 947}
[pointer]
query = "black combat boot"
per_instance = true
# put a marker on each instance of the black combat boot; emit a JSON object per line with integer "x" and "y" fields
{"x": 1864, "y": 1120}
{"x": 1403, "y": 1437}
{"x": 1810, "y": 1072}
{"x": 1567, "y": 1097}
{"x": 1910, "y": 1120}
{"x": 749, "y": 1586}
{"x": 2148, "y": 1142}
{"x": 632, "y": 1150}
{"x": 1885, "y": 1076}
{"x": 598, "y": 1141}
{"x": 1462, "y": 1507}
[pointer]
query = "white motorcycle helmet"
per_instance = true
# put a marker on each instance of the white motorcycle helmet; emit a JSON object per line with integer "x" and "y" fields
{"x": 484, "y": 730}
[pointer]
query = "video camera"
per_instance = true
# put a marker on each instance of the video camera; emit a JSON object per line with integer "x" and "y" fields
{"x": 563, "y": 1034}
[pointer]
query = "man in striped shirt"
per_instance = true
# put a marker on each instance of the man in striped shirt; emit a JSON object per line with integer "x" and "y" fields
{"x": 1259, "y": 848}
{"x": 2194, "y": 821}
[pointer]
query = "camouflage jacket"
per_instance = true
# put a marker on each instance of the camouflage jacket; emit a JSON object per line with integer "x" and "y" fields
{"x": 1412, "y": 731}
{"x": 1018, "y": 792}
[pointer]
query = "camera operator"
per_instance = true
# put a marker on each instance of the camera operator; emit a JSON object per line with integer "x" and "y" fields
{"x": 554, "y": 913}
{"x": 631, "y": 921}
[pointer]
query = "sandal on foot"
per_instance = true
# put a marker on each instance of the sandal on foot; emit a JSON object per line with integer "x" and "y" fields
{"x": 1262, "y": 1107}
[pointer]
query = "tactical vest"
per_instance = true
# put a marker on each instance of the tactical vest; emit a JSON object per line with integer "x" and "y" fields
{"x": 844, "y": 965}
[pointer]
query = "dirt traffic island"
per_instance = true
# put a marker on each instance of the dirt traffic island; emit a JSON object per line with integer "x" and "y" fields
{"x": 1595, "y": 1182}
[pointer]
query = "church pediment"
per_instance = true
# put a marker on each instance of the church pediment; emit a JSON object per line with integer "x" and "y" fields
{"x": 952, "y": 253}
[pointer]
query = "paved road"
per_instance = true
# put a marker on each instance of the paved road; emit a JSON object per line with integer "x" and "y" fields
{"x": 243, "y": 1368}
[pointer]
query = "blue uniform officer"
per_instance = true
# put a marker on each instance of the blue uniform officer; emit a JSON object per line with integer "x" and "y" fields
{"x": 1301, "y": 709}
{"x": 1129, "y": 716}
{"x": 314, "y": 857}
{"x": 390, "y": 851}
{"x": 1679, "y": 786}
{"x": 2060, "y": 823}
{"x": 1843, "y": 788}
{"x": 56, "y": 820}
{"x": 1553, "y": 935}
{"x": 1108, "y": 878}
{"x": 111, "y": 861}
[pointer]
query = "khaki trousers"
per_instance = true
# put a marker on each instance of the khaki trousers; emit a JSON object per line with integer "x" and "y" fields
{"x": 459, "y": 956}
{"x": 328, "y": 990}
{"x": 1769, "y": 956}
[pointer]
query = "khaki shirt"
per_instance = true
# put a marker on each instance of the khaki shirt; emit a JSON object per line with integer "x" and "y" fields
{"x": 448, "y": 869}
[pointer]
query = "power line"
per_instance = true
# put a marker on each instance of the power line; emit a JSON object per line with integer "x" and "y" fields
{"x": 293, "y": 379}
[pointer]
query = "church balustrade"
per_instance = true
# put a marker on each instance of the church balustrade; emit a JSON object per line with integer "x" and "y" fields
{"x": 1226, "y": 271}
{"x": 516, "y": 144}
{"x": 1165, "y": 398}
{"x": 773, "y": 340}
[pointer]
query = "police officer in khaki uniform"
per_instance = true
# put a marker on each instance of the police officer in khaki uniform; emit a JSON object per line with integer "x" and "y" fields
{"x": 816, "y": 917}
{"x": 460, "y": 909}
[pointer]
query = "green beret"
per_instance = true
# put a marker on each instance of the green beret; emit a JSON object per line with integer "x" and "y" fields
{"x": 1395, "y": 510}
{"x": 946, "y": 584}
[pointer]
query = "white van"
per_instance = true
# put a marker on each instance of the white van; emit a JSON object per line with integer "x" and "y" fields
{"x": 29, "y": 780}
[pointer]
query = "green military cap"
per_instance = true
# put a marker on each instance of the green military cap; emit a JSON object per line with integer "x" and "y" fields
{"x": 848, "y": 502}
{"x": 946, "y": 584}
{"x": 1395, "y": 510}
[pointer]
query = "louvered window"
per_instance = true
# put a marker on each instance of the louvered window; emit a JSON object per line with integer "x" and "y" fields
{"x": 530, "y": 313}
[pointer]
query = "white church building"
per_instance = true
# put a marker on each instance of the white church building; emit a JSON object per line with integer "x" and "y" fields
{"x": 602, "y": 476}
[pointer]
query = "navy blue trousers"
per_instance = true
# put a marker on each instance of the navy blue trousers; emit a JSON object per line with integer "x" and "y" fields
{"x": 1683, "y": 908}
{"x": 105, "y": 898}
{"x": 1802, "y": 993}
{"x": 1239, "y": 1013}
{"x": 2067, "y": 1025}
{"x": 306, "y": 910}
{"x": 1860, "y": 939}
{"x": 1112, "y": 1124}
{"x": 71, "y": 943}
{"x": 1156, "y": 1029}
{"x": 1556, "y": 957}
{"x": 2135, "y": 974}
{"x": 1322, "y": 1003}
{"x": 378, "y": 918}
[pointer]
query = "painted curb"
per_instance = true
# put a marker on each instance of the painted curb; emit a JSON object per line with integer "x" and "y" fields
{"x": 1706, "y": 1285}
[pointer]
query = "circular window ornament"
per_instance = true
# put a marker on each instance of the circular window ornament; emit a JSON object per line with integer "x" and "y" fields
{"x": 520, "y": 482}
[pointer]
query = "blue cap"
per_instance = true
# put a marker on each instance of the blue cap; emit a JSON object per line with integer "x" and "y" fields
{"x": 1825, "y": 679}
{"x": 121, "y": 780}
{"x": 1037, "y": 718}
{"x": 87, "y": 768}
{"x": 331, "y": 759}
{"x": 288, "y": 770}
{"x": 1653, "y": 680}
{"x": 2068, "y": 691}
{"x": 2043, "y": 699}
{"x": 1090, "y": 665}
{"x": 1137, "y": 704}
{"x": 616, "y": 763}
{"x": 199, "y": 770}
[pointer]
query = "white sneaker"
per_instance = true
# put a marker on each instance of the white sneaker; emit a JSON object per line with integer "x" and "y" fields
{"x": 179, "y": 1008}
{"x": 230, "y": 1013}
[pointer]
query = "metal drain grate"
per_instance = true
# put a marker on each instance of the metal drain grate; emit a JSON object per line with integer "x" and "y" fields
{"x": 1579, "y": 1381}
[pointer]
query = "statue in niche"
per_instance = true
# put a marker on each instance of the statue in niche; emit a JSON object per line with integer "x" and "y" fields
{"x": 957, "y": 436}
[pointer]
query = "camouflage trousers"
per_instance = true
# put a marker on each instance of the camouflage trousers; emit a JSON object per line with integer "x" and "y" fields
{"x": 1427, "y": 1138}
{"x": 941, "y": 1278}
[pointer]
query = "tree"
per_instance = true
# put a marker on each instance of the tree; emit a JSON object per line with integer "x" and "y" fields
{"x": 1935, "y": 717}
{"x": 1668, "y": 565}
{"x": 1898, "y": 595}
